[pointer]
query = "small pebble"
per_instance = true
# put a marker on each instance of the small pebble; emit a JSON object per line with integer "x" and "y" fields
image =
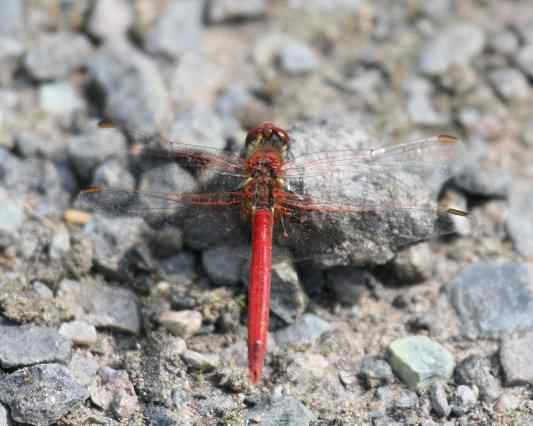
{"x": 516, "y": 359}
{"x": 181, "y": 323}
{"x": 79, "y": 332}
{"x": 418, "y": 361}
{"x": 464, "y": 400}
{"x": 439, "y": 400}
{"x": 304, "y": 331}
{"x": 297, "y": 58}
{"x": 199, "y": 361}
{"x": 506, "y": 402}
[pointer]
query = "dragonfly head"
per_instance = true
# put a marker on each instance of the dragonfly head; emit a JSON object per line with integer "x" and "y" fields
{"x": 267, "y": 136}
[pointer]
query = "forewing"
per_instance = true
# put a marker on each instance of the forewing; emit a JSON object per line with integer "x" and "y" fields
{"x": 360, "y": 206}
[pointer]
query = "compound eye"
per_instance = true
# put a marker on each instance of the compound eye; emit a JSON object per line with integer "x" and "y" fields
{"x": 252, "y": 135}
{"x": 283, "y": 135}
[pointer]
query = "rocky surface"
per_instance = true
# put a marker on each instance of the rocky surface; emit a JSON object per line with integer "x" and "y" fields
{"x": 130, "y": 315}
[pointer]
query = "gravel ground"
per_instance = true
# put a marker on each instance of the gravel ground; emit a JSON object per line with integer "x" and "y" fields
{"x": 124, "y": 321}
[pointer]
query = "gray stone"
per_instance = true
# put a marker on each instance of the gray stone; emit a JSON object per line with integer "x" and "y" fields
{"x": 476, "y": 370}
{"x": 520, "y": 222}
{"x": 25, "y": 345}
{"x": 12, "y": 16}
{"x": 84, "y": 367}
{"x": 79, "y": 332}
{"x": 5, "y": 418}
{"x": 181, "y": 323}
{"x": 112, "y": 174}
{"x": 361, "y": 238}
{"x": 464, "y": 400}
{"x": 297, "y": 58}
{"x": 327, "y": 5}
{"x": 492, "y": 299}
{"x": 349, "y": 284}
{"x": 89, "y": 150}
{"x": 375, "y": 372}
{"x": 305, "y": 331}
{"x": 44, "y": 144}
{"x": 112, "y": 237}
{"x": 527, "y": 134}
{"x": 414, "y": 264}
{"x": 178, "y": 268}
{"x": 504, "y": 42}
{"x": 223, "y": 264}
{"x": 101, "y": 305}
{"x": 177, "y": 30}
{"x": 60, "y": 243}
{"x": 10, "y": 53}
{"x": 42, "y": 394}
{"x": 455, "y": 44}
{"x": 418, "y": 361}
{"x": 439, "y": 400}
{"x": 56, "y": 55}
{"x": 510, "y": 84}
{"x": 134, "y": 90}
{"x": 524, "y": 60}
{"x": 485, "y": 182}
{"x": 420, "y": 105}
{"x": 60, "y": 98}
{"x": 157, "y": 415}
{"x": 50, "y": 183}
{"x": 523, "y": 29}
{"x": 12, "y": 217}
{"x": 196, "y": 79}
{"x": 200, "y": 125}
{"x": 439, "y": 9}
{"x": 111, "y": 19}
{"x": 281, "y": 410}
{"x": 42, "y": 290}
{"x": 406, "y": 400}
{"x": 199, "y": 361}
{"x": 114, "y": 392}
{"x": 516, "y": 359}
{"x": 228, "y": 10}
{"x": 507, "y": 402}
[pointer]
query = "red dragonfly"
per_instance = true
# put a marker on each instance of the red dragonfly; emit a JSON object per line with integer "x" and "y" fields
{"x": 305, "y": 201}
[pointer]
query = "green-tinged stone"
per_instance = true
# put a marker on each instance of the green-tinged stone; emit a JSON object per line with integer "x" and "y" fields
{"x": 418, "y": 361}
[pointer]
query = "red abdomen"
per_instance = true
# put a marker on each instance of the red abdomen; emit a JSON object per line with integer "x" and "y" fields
{"x": 259, "y": 292}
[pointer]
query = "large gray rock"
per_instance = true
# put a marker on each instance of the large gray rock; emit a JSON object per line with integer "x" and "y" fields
{"x": 133, "y": 88}
{"x": 56, "y": 55}
{"x": 101, "y": 305}
{"x": 456, "y": 44}
{"x": 42, "y": 394}
{"x": 367, "y": 203}
{"x": 178, "y": 29}
{"x": 22, "y": 346}
{"x": 492, "y": 298}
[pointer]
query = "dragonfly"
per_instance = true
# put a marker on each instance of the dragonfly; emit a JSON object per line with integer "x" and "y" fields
{"x": 301, "y": 200}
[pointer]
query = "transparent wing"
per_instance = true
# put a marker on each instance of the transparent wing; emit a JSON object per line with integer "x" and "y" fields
{"x": 357, "y": 204}
{"x": 200, "y": 160}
